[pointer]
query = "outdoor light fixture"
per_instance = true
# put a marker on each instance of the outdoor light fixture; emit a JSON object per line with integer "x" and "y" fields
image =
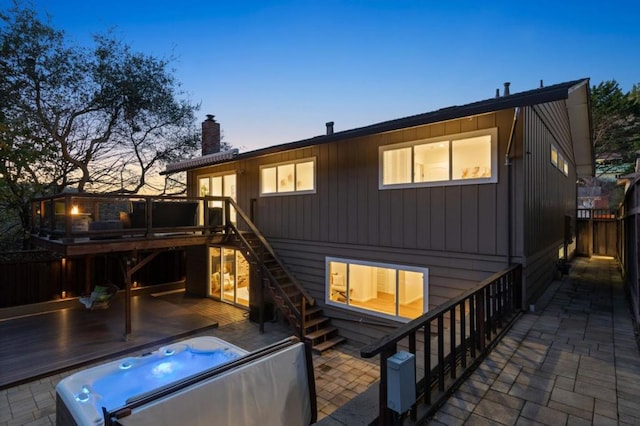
{"x": 74, "y": 210}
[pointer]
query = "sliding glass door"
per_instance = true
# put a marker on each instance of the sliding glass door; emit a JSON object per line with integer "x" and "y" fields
{"x": 229, "y": 275}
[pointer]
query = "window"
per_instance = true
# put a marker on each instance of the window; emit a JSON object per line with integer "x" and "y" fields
{"x": 293, "y": 177}
{"x": 390, "y": 291}
{"x": 558, "y": 161}
{"x": 450, "y": 160}
{"x": 218, "y": 186}
{"x": 554, "y": 156}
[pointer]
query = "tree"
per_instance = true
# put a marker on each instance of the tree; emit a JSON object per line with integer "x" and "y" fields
{"x": 104, "y": 118}
{"x": 616, "y": 125}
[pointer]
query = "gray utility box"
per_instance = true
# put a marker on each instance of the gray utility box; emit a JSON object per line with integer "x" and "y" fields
{"x": 401, "y": 381}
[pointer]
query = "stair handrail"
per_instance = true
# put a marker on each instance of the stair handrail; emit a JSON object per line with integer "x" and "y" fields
{"x": 253, "y": 228}
{"x": 270, "y": 276}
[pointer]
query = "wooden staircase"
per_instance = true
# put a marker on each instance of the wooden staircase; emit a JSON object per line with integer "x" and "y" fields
{"x": 289, "y": 297}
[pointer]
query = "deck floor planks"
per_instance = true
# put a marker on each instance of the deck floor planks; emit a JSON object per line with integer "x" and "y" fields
{"x": 37, "y": 345}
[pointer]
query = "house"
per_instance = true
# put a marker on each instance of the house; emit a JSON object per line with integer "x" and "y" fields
{"x": 381, "y": 223}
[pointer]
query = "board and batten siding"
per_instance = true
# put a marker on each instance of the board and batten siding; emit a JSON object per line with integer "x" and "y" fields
{"x": 450, "y": 274}
{"x": 348, "y": 207}
{"x": 549, "y": 195}
{"x": 459, "y": 232}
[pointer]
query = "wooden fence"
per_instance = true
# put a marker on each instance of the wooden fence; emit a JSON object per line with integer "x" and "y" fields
{"x": 36, "y": 276}
{"x": 597, "y": 232}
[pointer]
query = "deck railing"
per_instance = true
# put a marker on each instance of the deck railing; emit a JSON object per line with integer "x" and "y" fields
{"x": 95, "y": 216}
{"x": 476, "y": 320}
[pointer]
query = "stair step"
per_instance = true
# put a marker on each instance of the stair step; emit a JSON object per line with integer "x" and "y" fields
{"x": 320, "y": 333}
{"x": 328, "y": 344}
{"x": 311, "y": 311}
{"x": 315, "y": 322}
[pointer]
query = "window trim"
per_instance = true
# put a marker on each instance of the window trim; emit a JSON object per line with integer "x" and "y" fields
{"x": 492, "y": 132}
{"x": 285, "y": 163}
{"x": 397, "y": 267}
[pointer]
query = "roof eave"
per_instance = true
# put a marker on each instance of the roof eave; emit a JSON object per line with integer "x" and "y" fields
{"x": 537, "y": 96}
{"x": 578, "y": 108}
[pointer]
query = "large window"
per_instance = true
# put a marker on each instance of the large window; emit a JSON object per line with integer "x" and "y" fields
{"x": 458, "y": 159}
{"x": 391, "y": 291}
{"x": 289, "y": 178}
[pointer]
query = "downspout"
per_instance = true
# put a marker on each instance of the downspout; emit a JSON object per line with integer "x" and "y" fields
{"x": 508, "y": 163}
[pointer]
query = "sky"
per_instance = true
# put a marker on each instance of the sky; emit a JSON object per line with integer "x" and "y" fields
{"x": 274, "y": 72}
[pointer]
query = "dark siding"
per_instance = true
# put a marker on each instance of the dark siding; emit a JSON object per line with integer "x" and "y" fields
{"x": 486, "y": 209}
{"x": 469, "y": 229}
{"x": 450, "y": 274}
{"x": 348, "y": 207}
{"x": 452, "y": 210}
{"x": 438, "y": 208}
{"x": 458, "y": 232}
{"x": 549, "y": 194}
{"x": 423, "y": 218}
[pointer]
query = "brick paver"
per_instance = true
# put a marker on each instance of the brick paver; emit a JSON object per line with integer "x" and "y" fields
{"x": 573, "y": 361}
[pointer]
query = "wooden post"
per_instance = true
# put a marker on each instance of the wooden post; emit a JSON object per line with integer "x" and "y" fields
{"x": 88, "y": 268}
{"x": 480, "y": 323}
{"x": 384, "y": 415}
{"x": 130, "y": 271}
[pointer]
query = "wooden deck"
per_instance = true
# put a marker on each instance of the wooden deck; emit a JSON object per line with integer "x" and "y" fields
{"x": 38, "y": 345}
{"x": 80, "y": 247}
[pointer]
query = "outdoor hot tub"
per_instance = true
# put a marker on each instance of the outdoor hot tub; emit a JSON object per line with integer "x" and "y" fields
{"x": 196, "y": 382}
{"x": 83, "y": 396}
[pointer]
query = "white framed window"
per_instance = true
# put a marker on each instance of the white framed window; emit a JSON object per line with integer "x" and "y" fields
{"x": 391, "y": 291}
{"x": 293, "y": 177}
{"x": 218, "y": 185}
{"x": 466, "y": 158}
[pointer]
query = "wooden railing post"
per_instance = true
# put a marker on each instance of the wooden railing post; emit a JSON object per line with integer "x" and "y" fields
{"x": 452, "y": 342}
{"x": 441, "y": 352}
{"x": 480, "y": 322}
{"x": 427, "y": 362}
{"x": 463, "y": 334}
{"x": 412, "y": 349}
{"x": 384, "y": 415}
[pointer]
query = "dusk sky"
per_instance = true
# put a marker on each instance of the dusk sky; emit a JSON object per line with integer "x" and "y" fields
{"x": 275, "y": 71}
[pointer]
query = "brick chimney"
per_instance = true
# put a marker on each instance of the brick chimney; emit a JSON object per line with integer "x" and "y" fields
{"x": 210, "y": 136}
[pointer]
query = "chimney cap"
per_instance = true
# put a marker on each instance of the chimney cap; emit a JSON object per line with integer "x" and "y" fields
{"x": 210, "y": 117}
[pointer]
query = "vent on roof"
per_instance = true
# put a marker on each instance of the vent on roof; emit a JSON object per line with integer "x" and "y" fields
{"x": 329, "y": 127}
